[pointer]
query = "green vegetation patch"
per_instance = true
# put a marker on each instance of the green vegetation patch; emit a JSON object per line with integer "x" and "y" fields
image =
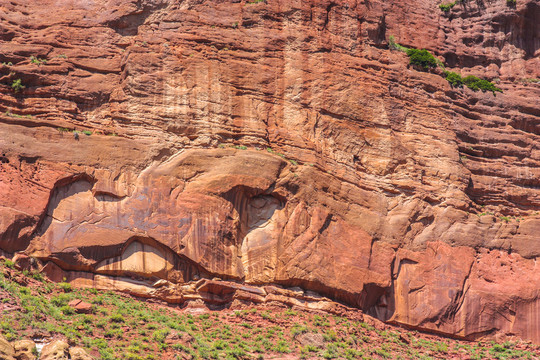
{"x": 422, "y": 58}
{"x": 37, "y": 61}
{"x": 447, "y": 7}
{"x": 454, "y": 79}
{"x": 474, "y": 83}
{"x": 17, "y": 85}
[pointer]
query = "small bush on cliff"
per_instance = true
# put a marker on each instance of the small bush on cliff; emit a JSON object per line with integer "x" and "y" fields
{"x": 474, "y": 83}
{"x": 447, "y": 7}
{"x": 454, "y": 79}
{"x": 38, "y": 61}
{"x": 17, "y": 85}
{"x": 422, "y": 58}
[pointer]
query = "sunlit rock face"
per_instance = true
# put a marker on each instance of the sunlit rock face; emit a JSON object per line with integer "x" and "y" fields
{"x": 281, "y": 143}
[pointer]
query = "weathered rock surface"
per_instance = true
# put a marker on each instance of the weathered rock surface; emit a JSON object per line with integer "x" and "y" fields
{"x": 55, "y": 350}
{"x": 78, "y": 353}
{"x": 6, "y": 349}
{"x": 24, "y": 349}
{"x": 384, "y": 187}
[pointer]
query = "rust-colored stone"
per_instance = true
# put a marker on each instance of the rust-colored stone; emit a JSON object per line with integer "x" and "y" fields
{"x": 80, "y": 307}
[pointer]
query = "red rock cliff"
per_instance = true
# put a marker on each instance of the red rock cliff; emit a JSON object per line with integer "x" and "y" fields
{"x": 280, "y": 142}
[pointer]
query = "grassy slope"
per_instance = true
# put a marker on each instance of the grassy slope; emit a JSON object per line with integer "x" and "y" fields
{"x": 123, "y": 327}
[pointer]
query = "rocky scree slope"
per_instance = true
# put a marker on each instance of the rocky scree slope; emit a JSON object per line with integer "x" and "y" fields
{"x": 279, "y": 142}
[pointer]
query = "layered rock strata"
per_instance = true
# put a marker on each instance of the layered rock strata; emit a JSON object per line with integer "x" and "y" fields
{"x": 279, "y": 142}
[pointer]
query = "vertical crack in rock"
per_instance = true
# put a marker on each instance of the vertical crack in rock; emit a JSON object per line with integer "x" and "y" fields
{"x": 459, "y": 299}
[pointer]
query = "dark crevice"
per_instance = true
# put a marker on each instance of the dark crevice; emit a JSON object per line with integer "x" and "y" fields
{"x": 326, "y": 224}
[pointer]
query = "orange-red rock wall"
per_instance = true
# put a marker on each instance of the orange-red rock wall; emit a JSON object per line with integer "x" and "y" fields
{"x": 282, "y": 142}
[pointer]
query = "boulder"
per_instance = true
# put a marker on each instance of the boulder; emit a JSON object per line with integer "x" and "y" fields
{"x": 312, "y": 339}
{"x": 56, "y": 350}
{"x": 6, "y": 349}
{"x": 80, "y": 307}
{"x": 25, "y": 349}
{"x": 78, "y": 353}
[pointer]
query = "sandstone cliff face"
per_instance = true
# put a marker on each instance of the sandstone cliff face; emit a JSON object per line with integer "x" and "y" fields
{"x": 280, "y": 142}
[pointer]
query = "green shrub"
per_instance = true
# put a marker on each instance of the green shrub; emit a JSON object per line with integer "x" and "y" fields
{"x": 160, "y": 335}
{"x": 38, "y": 276}
{"x": 106, "y": 354}
{"x": 66, "y": 287}
{"x": 331, "y": 352}
{"x": 309, "y": 348}
{"x": 266, "y": 315}
{"x": 117, "y": 318}
{"x": 98, "y": 300}
{"x": 282, "y": 347}
{"x": 60, "y": 300}
{"x": 10, "y": 264}
{"x": 298, "y": 329}
{"x": 38, "y": 61}
{"x": 476, "y": 84}
{"x": 330, "y": 336}
{"x": 447, "y": 7}
{"x": 67, "y": 310}
{"x": 220, "y": 345}
{"x": 454, "y": 79}
{"x": 422, "y": 58}
{"x": 510, "y": 2}
{"x": 17, "y": 85}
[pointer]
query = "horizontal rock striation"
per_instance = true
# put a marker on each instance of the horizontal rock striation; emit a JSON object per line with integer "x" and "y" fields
{"x": 282, "y": 144}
